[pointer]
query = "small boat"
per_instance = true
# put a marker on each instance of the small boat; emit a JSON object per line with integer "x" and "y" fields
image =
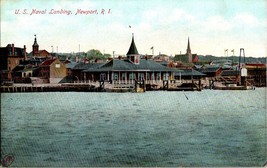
{"x": 233, "y": 87}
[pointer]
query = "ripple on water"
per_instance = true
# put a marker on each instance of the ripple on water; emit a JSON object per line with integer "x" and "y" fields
{"x": 156, "y": 129}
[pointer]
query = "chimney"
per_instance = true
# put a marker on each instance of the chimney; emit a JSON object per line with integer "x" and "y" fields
{"x": 76, "y": 59}
{"x": 13, "y": 50}
{"x": 24, "y": 52}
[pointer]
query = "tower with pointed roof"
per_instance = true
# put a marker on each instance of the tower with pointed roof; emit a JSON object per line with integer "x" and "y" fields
{"x": 188, "y": 52}
{"x": 35, "y": 47}
{"x": 132, "y": 53}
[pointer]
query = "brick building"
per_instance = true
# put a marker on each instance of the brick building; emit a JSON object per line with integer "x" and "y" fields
{"x": 10, "y": 57}
{"x": 38, "y": 53}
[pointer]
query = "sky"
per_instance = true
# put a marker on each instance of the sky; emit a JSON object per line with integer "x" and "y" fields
{"x": 211, "y": 25}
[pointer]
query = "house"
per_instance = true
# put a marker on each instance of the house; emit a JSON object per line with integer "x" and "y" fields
{"x": 10, "y": 57}
{"x": 53, "y": 70}
{"x": 23, "y": 73}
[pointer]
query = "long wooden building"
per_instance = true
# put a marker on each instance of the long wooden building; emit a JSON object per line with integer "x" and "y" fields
{"x": 129, "y": 69}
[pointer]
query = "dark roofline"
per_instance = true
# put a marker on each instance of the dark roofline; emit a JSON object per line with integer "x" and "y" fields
{"x": 132, "y": 50}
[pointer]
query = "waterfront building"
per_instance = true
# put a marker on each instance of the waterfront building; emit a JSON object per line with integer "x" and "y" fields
{"x": 53, "y": 70}
{"x": 211, "y": 70}
{"x": 10, "y": 57}
{"x": 129, "y": 69}
{"x": 23, "y": 73}
{"x": 257, "y": 72}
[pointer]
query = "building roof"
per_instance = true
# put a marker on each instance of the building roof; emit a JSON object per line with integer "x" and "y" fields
{"x": 229, "y": 73}
{"x": 132, "y": 50}
{"x": 85, "y": 66}
{"x": 126, "y": 65}
{"x": 7, "y": 51}
{"x": 39, "y": 51}
{"x": 190, "y": 72}
{"x": 35, "y": 41}
{"x": 184, "y": 57}
{"x": 71, "y": 65}
{"x": 47, "y": 62}
{"x": 209, "y": 70}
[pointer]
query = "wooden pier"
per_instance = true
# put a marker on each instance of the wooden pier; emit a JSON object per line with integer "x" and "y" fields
{"x": 103, "y": 86}
{"x": 60, "y": 88}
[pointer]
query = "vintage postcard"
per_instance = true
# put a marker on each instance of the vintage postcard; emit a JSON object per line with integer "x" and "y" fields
{"x": 133, "y": 83}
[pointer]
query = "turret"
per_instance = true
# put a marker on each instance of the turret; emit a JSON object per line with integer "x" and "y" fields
{"x": 132, "y": 53}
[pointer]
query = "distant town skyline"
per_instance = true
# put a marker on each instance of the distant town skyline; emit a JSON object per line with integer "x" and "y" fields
{"x": 165, "y": 25}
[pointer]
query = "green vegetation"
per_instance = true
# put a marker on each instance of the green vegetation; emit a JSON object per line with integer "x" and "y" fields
{"x": 96, "y": 54}
{"x": 235, "y": 59}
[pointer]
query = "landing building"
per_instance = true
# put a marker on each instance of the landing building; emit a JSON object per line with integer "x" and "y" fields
{"x": 127, "y": 70}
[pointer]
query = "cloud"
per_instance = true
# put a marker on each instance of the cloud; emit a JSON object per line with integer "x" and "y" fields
{"x": 217, "y": 23}
{"x": 246, "y": 19}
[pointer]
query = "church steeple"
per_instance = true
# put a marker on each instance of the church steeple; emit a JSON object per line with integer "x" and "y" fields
{"x": 188, "y": 51}
{"x": 132, "y": 53}
{"x": 35, "y": 47}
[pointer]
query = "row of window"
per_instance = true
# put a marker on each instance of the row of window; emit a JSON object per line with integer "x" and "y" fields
{"x": 140, "y": 76}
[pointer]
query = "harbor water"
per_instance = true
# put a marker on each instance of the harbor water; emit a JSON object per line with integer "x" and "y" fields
{"x": 160, "y": 128}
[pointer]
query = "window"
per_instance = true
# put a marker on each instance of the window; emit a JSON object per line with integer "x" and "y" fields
{"x": 102, "y": 76}
{"x": 148, "y": 76}
{"x": 115, "y": 76}
{"x": 123, "y": 76}
{"x": 132, "y": 76}
{"x": 57, "y": 65}
{"x": 140, "y": 76}
{"x": 158, "y": 76}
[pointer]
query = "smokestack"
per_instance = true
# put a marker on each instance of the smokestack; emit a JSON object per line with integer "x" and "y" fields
{"x": 24, "y": 52}
{"x": 13, "y": 50}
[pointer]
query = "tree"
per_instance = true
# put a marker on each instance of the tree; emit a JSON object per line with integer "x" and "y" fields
{"x": 93, "y": 54}
{"x": 106, "y": 56}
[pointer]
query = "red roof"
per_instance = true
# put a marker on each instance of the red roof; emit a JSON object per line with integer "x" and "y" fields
{"x": 47, "y": 62}
{"x": 256, "y": 64}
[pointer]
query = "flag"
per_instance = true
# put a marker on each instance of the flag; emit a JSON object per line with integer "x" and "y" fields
{"x": 232, "y": 50}
{"x": 130, "y": 26}
{"x": 151, "y": 48}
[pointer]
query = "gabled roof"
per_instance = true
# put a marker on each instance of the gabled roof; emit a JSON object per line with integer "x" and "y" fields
{"x": 229, "y": 73}
{"x": 71, "y": 65}
{"x": 85, "y": 66}
{"x": 132, "y": 50}
{"x": 47, "y": 62}
{"x": 190, "y": 72}
{"x": 126, "y": 65}
{"x": 209, "y": 70}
